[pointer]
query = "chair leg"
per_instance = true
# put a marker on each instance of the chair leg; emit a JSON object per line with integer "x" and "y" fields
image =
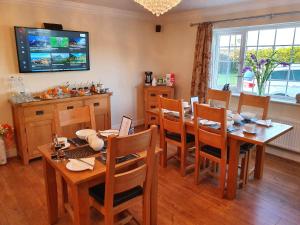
{"x": 183, "y": 160}
{"x": 179, "y": 152}
{"x": 164, "y": 155}
{"x": 146, "y": 209}
{"x": 247, "y": 167}
{"x": 243, "y": 173}
{"x": 197, "y": 166}
{"x": 222, "y": 178}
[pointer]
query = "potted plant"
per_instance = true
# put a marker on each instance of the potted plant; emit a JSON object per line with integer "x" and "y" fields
{"x": 262, "y": 69}
{"x": 6, "y": 131}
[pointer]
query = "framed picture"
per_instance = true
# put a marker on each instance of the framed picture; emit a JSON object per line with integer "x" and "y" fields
{"x": 194, "y": 99}
{"x": 125, "y": 126}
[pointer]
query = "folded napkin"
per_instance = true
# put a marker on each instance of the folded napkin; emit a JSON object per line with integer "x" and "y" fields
{"x": 267, "y": 123}
{"x": 87, "y": 163}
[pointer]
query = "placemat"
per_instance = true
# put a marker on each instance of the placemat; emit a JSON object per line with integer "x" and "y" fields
{"x": 102, "y": 158}
{"x": 82, "y": 152}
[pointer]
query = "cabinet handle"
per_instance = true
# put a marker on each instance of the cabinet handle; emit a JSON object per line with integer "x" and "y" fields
{"x": 165, "y": 95}
{"x": 153, "y": 94}
{"x": 153, "y": 118}
{"x": 39, "y": 112}
{"x": 70, "y": 107}
{"x": 152, "y": 106}
{"x": 96, "y": 104}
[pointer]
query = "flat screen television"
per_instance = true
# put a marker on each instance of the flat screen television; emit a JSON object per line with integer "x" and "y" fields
{"x": 43, "y": 50}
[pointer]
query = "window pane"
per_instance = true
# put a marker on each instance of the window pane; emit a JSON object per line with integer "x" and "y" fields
{"x": 264, "y": 52}
{"x": 266, "y": 37}
{"x": 278, "y": 81}
{"x": 234, "y": 54}
{"x": 224, "y": 54}
{"x": 235, "y": 40}
{"x": 283, "y": 53}
{"x": 296, "y": 55}
{"x": 297, "y": 36}
{"x": 227, "y": 73}
{"x": 248, "y": 81}
{"x": 224, "y": 40}
{"x": 285, "y": 36}
{"x": 252, "y": 38}
{"x": 294, "y": 81}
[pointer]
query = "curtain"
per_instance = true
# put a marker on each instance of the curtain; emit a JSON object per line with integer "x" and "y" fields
{"x": 202, "y": 58}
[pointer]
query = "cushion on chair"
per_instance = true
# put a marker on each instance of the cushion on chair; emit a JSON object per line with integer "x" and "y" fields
{"x": 177, "y": 137}
{"x": 246, "y": 146}
{"x": 98, "y": 193}
{"x": 212, "y": 150}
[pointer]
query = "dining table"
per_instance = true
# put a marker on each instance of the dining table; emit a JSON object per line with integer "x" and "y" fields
{"x": 76, "y": 200}
{"x": 260, "y": 139}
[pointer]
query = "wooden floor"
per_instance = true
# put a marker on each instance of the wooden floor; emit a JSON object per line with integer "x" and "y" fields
{"x": 273, "y": 200}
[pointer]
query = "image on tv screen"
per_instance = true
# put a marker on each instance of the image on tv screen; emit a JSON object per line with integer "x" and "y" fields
{"x": 42, "y": 50}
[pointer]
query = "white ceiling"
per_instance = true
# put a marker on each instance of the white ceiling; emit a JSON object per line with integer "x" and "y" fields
{"x": 185, "y": 5}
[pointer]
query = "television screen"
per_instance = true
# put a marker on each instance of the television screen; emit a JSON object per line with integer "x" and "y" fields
{"x": 42, "y": 50}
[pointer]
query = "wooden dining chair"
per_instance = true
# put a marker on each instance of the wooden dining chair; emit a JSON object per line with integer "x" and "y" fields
{"x": 129, "y": 187}
{"x": 219, "y": 95}
{"x": 211, "y": 143}
{"x": 258, "y": 102}
{"x": 172, "y": 131}
{"x": 81, "y": 115}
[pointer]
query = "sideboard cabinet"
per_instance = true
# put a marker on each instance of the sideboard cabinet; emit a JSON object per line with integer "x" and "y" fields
{"x": 34, "y": 121}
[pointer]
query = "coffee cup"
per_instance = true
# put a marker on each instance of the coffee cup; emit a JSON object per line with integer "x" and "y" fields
{"x": 250, "y": 128}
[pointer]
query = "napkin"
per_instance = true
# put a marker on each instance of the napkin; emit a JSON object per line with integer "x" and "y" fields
{"x": 267, "y": 123}
{"x": 88, "y": 163}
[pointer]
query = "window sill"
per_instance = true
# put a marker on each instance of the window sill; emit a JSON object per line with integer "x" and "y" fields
{"x": 279, "y": 101}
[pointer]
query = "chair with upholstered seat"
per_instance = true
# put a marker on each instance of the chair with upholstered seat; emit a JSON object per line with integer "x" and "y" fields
{"x": 220, "y": 96}
{"x": 211, "y": 143}
{"x": 130, "y": 185}
{"x": 172, "y": 131}
{"x": 257, "y": 102}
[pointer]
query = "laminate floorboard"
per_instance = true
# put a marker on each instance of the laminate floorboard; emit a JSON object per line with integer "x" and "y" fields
{"x": 274, "y": 200}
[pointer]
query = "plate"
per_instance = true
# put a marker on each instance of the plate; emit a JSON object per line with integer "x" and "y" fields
{"x": 208, "y": 122}
{"x": 254, "y": 132}
{"x": 76, "y": 167}
{"x": 106, "y": 133}
{"x": 267, "y": 123}
{"x": 82, "y": 134}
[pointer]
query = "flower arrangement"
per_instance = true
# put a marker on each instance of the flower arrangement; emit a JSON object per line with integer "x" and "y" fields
{"x": 6, "y": 130}
{"x": 262, "y": 69}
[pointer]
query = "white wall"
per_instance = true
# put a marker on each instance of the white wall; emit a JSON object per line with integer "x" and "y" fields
{"x": 122, "y": 46}
{"x": 179, "y": 45}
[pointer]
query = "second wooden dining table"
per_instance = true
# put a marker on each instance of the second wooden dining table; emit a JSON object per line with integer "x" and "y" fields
{"x": 263, "y": 136}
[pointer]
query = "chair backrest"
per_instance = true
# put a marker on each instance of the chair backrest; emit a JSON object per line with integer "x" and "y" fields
{"x": 137, "y": 176}
{"x": 210, "y": 136}
{"x": 261, "y": 102}
{"x": 80, "y": 115}
{"x": 167, "y": 121}
{"x": 223, "y": 96}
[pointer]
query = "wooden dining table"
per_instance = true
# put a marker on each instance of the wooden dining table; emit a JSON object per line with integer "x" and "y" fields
{"x": 79, "y": 184}
{"x": 261, "y": 138}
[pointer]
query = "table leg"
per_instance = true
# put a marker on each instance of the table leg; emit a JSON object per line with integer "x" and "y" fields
{"x": 51, "y": 192}
{"x": 259, "y": 161}
{"x": 81, "y": 207}
{"x": 233, "y": 168}
{"x": 64, "y": 192}
{"x": 154, "y": 190}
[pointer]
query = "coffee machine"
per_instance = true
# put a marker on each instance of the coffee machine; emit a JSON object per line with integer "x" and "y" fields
{"x": 148, "y": 78}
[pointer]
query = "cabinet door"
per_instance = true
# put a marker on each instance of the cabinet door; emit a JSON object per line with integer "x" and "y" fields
{"x": 38, "y": 133}
{"x": 102, "y": 112}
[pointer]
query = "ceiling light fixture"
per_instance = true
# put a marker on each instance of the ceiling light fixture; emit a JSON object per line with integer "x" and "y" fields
{"x": 158, "y": 7}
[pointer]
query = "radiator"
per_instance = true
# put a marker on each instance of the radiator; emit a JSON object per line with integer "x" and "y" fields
{"x": 291, "y": 139}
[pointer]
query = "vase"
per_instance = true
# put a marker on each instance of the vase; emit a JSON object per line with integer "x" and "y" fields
{"x": 261, "y": 89}
{"x": 3, "y": 159}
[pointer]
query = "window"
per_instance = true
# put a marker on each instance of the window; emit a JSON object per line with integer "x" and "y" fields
{"x": 232, "y": 46}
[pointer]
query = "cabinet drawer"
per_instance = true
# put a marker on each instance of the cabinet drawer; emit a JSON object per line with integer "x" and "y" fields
{"x": 153, "y": 120}
{"x": 69, "y": 105}
{"x": 165, "y": 94}
{"x": 37, "y": 113}
{"x": 152, "y": 96}
{"x": 152, "y": 105}
{"x": 100, "y": 105}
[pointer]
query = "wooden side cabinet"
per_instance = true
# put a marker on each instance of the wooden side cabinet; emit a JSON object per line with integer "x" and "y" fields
{"x": 151, "y": 95}
{"x": 34, "y": 121}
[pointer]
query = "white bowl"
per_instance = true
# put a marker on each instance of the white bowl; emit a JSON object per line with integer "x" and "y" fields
{"x": 237, "y": 118}
{"x": 82, "y": 134}
{"x": 248, "y": 115}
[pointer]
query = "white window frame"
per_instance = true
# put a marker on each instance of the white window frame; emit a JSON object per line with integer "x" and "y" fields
{"x": 243, "y": 32}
